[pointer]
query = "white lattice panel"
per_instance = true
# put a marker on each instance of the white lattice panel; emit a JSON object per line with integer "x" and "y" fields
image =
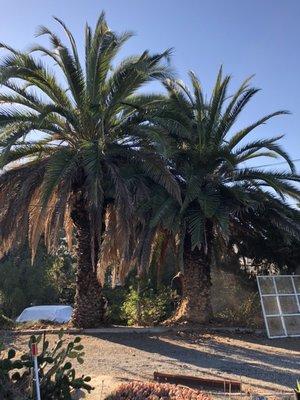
{"x": 280, "y": 301}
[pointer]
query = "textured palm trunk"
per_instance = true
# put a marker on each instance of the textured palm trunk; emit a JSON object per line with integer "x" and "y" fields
{"x": 195, "y": 305}
{"x": 89, "y": 306}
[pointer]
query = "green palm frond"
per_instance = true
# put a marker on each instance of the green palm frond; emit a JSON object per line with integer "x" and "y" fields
{"x": 209, "y": 159}
{"x": 244, "y": 132}
{"x": 83, "y": 132}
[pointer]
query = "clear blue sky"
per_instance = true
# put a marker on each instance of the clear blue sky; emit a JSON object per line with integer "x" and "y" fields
{"x": 254, "y": 36}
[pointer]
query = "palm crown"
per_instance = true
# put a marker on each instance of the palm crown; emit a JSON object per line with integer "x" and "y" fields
{"x": 208, "y": 158}
{"x": 89, "y": 130}
{"x": 218, "y": 192}
{"x": 87, "y": 145}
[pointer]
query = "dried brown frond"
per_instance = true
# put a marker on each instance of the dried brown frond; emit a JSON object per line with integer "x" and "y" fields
{"x": 17, "y": 189}
{"x": 68, "y": 227}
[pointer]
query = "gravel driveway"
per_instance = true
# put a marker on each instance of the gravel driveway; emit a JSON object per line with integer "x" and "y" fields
{"x": 262, "y": 365}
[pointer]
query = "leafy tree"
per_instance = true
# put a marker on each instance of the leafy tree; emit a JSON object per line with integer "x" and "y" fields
{"x": 61, "y": 274}
{"x": 49, "y": 280}
{"x": 23, "y": 284}
{"x": 263, "y": 245}
{"x": 66, "y": 142}
{"x": 218, "y": 190}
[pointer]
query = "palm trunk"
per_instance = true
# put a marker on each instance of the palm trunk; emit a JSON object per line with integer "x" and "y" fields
{"x": 89, "y": 306}
{"x": 195, "y": 305}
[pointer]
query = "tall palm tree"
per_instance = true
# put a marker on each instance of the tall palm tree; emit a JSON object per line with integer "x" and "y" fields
{"x": 66, "y": 143}
{"x": 208, "y": 159}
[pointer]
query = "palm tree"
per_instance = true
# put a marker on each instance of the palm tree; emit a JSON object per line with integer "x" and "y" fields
{"x": 208, "y": 160}
{"x": 266, "y": 238}
{"x": 67, "y": 141}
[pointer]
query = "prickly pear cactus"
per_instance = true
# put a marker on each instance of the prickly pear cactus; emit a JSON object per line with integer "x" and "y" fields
{"x": 14, "y": 380}
{"x": 56, "y": 371}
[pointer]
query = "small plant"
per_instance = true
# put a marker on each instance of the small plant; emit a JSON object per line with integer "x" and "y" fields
{"x": 149, "y": 307}
{"x": 155, "y": 391}
{"x": 297, "y": 390}
{"x": 57, "y": 375}
{"x": 115, "y": 298}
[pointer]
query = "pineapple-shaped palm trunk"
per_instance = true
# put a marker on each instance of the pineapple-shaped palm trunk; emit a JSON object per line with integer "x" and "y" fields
{"x": 89, "y": 307}
{"x": 195, "y": 305}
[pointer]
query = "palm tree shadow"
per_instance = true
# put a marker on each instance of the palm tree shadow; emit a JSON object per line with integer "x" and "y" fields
{"x": 216, "y": 359}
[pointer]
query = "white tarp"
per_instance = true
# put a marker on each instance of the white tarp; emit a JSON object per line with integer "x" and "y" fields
{"x": 58, "y": 314}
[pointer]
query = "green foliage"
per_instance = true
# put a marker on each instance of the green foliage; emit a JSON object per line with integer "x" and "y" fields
{"x": 84, "y": 119}
{"x": 297, "y": 388}
{"x": 172, "y": 164}
{"x": 115, "y": 298}
{"x": 50, "y": 280}
{"x": 57, "y": 375}
{"x": 23, "y": 284}
{"x": 61, "y": 275}
{"x": 148, "y": 307}
{"x": 218, "y": 186}
{"x": 92, "y": 126}
{"x": 271, "y": 247}
{"x": 14, "y": 380}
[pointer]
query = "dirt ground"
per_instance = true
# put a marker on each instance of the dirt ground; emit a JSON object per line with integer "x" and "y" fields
{"x": 263, "y": 365}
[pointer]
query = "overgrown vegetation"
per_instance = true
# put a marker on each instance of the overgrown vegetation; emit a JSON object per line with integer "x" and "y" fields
{"x": 246, "y": 312}
{"x": 149, "y": 307}
{"x": 50, "y": 280}
{"x": 58, "y": 377}
{"x": 235, "y": 299}
{"x": 125, "y": 176}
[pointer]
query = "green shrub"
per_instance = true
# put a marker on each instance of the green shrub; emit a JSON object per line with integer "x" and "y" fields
{"x": 57, "y": 375}
{"x": 115, "y": 298}
{"x": 150, "y": 307}
{"x": 50, "y": 280}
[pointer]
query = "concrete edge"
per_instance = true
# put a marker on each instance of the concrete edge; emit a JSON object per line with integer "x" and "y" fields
{"x": 136, "y": 330}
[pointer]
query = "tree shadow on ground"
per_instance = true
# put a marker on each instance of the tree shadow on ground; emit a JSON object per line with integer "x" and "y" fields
{"x": 211, "y": 356}
{"x": 289, "y": 343}
{"x": 281, "y": 356}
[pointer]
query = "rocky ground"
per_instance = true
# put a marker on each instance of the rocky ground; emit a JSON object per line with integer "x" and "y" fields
{"x": 262, "y": 365}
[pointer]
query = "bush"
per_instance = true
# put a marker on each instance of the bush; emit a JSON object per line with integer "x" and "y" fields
{"x": 155, "y": 391}
{"x": 115, "y": 299}
{"x": 149, "y": 307}
{"x": 245, "y": 314}
{"x": 57, "y": 375}
{"x": 50, "y": 280}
